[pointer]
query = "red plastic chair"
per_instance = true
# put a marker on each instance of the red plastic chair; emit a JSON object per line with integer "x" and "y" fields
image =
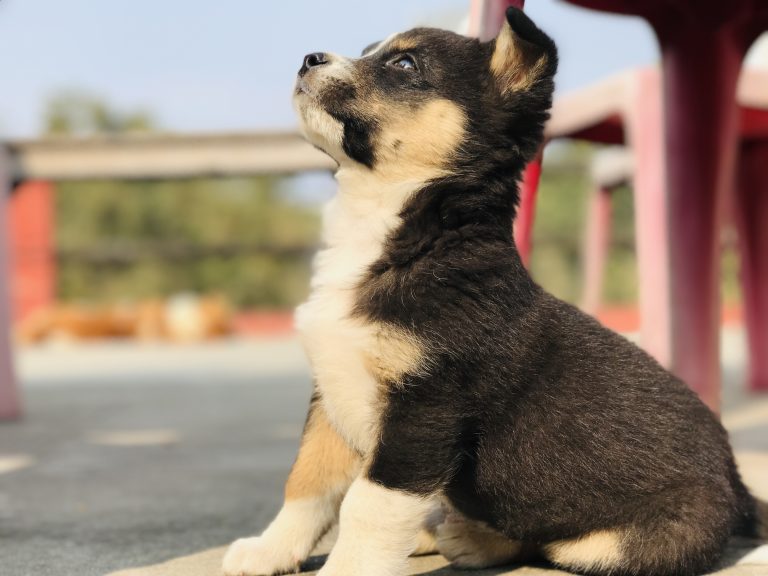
{"x": 626, "y": 109}
{"x": 703, "y": 43}
{"x": 10, "y": 405}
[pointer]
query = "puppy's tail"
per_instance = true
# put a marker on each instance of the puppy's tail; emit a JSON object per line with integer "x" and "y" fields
{"x": 755, "y": 523}
{"x": 761, "y": 519}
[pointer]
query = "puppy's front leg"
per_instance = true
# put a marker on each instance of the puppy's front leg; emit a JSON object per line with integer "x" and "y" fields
{"x": 378, "y": 530}
{"x": 417, "y": 452}
{"x": 316, "y": 485}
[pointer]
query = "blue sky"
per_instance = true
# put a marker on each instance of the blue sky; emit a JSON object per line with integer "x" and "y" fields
{"x": 229, "y": 64}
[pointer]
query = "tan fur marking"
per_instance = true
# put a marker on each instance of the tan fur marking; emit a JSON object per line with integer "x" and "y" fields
{"x": 325, "y": 462}
{"x": 425, "y": 543}
{"x": 597, "y": 550}
{"x": 393, "y": 354}
{"x": 402, "y": 45}
{"x": 513, "y": 63}
{"x": 417, "y": 145}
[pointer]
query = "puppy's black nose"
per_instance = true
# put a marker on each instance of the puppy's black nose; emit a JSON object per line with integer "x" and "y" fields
{"x": 312, "y": 60}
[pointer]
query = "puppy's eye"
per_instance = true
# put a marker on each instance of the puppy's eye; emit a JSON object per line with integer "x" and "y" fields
{"x": 405, "y": 62}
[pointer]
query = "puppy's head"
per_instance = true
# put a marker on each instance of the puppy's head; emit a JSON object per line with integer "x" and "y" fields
{"x": 428, "y": 103}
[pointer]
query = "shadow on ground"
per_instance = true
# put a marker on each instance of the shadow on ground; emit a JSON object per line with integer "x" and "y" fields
{"x": 743, "y": 558}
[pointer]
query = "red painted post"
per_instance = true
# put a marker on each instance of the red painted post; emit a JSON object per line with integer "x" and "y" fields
{"x": 527, "y": 210}
{"x": 596, "y": 243}
{"x": 33, "y": 275}
{"x": 751, "y": 207}
{"x": 487, "y": 16}
{"x": 10, "y": 404}
{"x": 652, "y": 243}
{"x": 701, "y": 68}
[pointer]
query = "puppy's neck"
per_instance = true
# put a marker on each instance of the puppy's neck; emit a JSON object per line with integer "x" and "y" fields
{"x": 363, "y": 185}
{"x": 366, "y": 205}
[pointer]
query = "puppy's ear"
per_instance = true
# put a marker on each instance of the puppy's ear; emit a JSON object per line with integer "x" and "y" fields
{"x": 370, "y": 48}
{"x": 522, "y": 53}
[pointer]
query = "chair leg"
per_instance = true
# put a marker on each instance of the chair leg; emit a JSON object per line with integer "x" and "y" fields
{"x": 32, "y": 247}
{"x": 487, "y": 16}
{"x": 10, "y": 404}
{"x": 700, "y": 73}
{"x": 596, "y": 248}
{"x": 527, "y": 209}
{"x": 651, "y": 232}
{"x": 752, "y": 222}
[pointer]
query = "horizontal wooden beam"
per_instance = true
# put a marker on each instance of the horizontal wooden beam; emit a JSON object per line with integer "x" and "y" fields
{"x": 116, "y": 254}
{"x": 158, "y": 156}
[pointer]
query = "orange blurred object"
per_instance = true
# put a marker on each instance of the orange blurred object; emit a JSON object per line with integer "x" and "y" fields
{"x": 181, "y": 318}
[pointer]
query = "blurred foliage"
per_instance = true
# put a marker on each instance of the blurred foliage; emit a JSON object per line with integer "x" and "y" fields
{"x": 142, "y": 216}
{"x": 730, "y": 272}
{"x": 560, "y": 229}
{"x": 79, "y": 113}
{"x": 560, "y": 223}
{"x": 253, "y": 213}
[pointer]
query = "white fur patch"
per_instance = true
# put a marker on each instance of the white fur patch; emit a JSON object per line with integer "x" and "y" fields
{"x": 378, "y": 530}
{"x": 286, "y": 542}
{"x": 319, "y": 127}
{"x": 316, "y": 125}
{"x": 339, "y": 347}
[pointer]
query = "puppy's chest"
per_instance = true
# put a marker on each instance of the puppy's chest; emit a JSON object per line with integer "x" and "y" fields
{"x": 353, "y": 359}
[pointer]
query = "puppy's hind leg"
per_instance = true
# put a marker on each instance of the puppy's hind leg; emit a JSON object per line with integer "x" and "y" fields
{"x": 677, "y": 533}
{"x": 472, "y": 544}
{"x": 324, "y": 469}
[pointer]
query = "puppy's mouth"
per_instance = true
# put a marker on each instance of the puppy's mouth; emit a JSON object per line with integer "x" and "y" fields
{"x": 303, "y": 87}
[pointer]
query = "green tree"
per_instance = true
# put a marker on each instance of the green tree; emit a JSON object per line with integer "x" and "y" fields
{"x": 80, "y": 113}
{"x": 122, "y": 240}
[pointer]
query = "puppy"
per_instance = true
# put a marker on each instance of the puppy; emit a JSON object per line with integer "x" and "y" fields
{"x": 444, "y": 376}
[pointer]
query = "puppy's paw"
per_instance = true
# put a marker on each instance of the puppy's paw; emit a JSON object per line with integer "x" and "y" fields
{"x": 469, "y": 544}
{"x": 255, "y": 557}
{"x": 425, "y": 543}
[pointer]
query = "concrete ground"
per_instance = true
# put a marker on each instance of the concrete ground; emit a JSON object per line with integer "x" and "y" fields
{"x": 148, "y": 460}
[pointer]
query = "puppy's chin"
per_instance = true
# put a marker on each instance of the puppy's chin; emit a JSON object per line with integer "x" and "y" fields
{"x": 320, "y": 128}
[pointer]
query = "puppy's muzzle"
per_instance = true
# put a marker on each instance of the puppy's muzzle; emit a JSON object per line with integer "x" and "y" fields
{"x": 313, "y": 60}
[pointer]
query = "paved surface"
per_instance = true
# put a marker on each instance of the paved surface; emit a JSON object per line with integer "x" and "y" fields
{"x": 741, "y": 560}
{"x": 157, "y": 457}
